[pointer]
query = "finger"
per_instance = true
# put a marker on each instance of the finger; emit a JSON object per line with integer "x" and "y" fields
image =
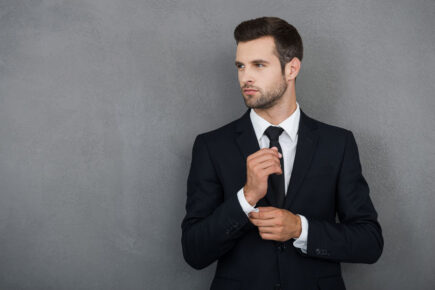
{"x": 263, "y": 214}
{"x": 264, "y": 151}
{"x": 267, "y": 163}
{"x": 268, "y": 230}
{"x": 263, "y": 222}
{"x": 268, "y": 236}
{"x": 275, "y": 148}
{"x": 264, "y": 159}
{"x": 266, "y": 208}
{"x": 256, "y": 215}
{"x": 268, "y": 213}
{"x": 274, "y": 169}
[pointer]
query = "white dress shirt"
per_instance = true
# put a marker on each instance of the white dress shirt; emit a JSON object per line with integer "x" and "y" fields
{"x": 288, "y": 140}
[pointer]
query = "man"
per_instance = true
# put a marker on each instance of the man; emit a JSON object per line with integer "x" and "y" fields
{"x": 263, "y": 191}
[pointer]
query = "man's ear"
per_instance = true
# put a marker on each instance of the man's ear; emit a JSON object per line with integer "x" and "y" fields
{"x": 291, "y": 69}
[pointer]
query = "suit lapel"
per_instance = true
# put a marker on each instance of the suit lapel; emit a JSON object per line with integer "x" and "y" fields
{"x": 305, "y": 148}
{"x": 246, "y": 139}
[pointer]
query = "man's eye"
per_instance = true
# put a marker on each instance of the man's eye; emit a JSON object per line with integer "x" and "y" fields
{"x": 260, "y": 65}
{"x": 239, "y": 66}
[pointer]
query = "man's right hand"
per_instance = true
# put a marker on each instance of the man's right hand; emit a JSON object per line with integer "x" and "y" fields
{"x": 259, "y": 166}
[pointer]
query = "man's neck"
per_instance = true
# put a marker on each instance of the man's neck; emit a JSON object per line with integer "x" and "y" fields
{"x": 278, "y": 113}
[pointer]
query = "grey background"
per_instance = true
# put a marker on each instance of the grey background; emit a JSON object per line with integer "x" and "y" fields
{"x": 100, "y": 102}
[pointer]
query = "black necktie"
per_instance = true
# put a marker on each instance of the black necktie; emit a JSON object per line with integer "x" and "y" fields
{"x": 276, "y": 182}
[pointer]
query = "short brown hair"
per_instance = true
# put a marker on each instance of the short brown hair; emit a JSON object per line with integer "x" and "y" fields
{"x": 288, "y": 42}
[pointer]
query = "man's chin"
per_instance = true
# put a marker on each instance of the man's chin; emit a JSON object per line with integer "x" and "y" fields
{"x": 254, "y": 106}
{"x": 250, "y": 104}
{"x": 259, "y": 106}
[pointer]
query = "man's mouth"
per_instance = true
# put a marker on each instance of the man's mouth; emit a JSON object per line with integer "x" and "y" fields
{"x": 249, "y": 91}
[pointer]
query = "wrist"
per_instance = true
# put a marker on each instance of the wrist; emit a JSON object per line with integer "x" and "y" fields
{"x": 298, "y": 226}
{"x": 249, "y": 197}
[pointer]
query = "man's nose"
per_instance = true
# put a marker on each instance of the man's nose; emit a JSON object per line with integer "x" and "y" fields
{"x": 246, "y": 77}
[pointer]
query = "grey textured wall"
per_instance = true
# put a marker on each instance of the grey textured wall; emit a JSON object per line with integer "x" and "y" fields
{"x": 100, "y": 102}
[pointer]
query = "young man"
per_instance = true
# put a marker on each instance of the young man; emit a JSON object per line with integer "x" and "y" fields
{"x": 263, "y": 191}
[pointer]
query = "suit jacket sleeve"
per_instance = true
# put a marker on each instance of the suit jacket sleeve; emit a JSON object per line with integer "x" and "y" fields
{"x": 212, "y": 224}
{"x": 358, "y": 237}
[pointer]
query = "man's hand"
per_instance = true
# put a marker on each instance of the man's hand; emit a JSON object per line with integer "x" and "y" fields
{"x": 276, "y": 224}
{"x": 259, "y": 166}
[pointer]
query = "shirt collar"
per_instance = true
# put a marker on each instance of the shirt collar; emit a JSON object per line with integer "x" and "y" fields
{"x": 290, "y": 125}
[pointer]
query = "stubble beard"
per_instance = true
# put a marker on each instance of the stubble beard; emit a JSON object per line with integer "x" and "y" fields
{"x": 266, "y": 99}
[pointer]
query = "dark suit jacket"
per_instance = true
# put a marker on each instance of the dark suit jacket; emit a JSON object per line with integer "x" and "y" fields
{"x": 326, "y": 180}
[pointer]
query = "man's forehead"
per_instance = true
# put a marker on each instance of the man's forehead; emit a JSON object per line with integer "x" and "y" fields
{"x": 260, "y": 48}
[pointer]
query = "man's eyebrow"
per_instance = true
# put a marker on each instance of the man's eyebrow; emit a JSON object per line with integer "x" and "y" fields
{"x": 259, "y": 61}
{"x": 253, "y": 61}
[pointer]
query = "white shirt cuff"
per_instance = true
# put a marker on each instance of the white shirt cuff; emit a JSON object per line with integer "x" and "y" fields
{"x": 247, "y": 208}
{"x": 302, "y": 241}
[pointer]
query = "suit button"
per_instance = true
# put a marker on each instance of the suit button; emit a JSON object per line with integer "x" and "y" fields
{"x": 318, "y": 251}
{"x": 277, "y": 286}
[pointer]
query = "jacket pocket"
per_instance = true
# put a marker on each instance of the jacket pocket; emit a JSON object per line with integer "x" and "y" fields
{"x": 222, "y": 283}
{"x": 331, "y": 283}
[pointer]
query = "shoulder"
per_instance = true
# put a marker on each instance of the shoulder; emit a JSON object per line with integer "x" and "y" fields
{"x": 328, "y": 132}
{"x": 322, "y": 126}
{"x": 332, "y": 130}
{"x": 332, "y": 140}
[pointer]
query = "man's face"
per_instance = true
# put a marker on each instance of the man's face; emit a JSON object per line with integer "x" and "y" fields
{"x": 260, "y": 76}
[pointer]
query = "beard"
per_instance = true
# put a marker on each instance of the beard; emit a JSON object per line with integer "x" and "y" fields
{"x": 266, "y": 99}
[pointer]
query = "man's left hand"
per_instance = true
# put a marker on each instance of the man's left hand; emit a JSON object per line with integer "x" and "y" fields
{"x": 276, "y": 223}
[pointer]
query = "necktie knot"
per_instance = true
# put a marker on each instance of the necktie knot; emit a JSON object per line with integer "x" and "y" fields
{"x": 273, "y": 133}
